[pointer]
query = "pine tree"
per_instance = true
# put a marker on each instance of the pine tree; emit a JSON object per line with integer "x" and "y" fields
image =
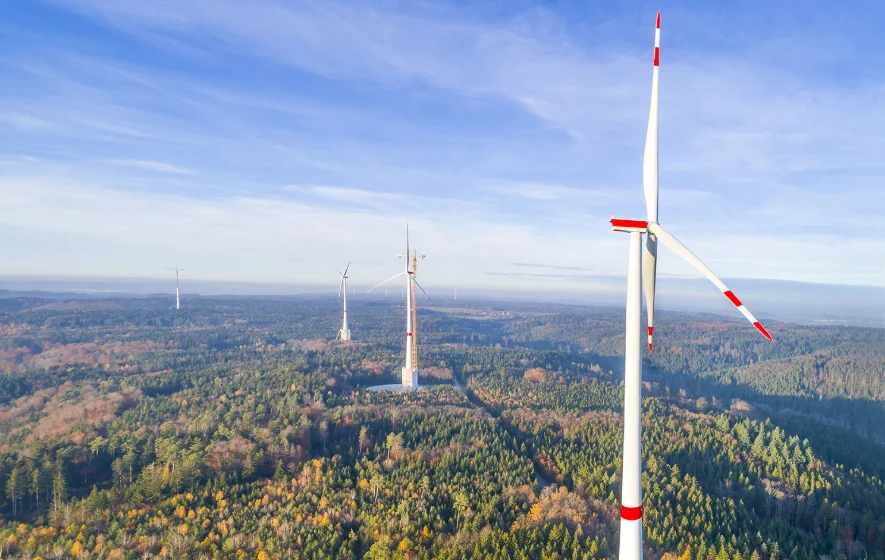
{"x": 364, "y": 438}
{"x": 279, "y": 474}
{"x": 36, "y": 483}
{"x": 461, "y": 505}
{"x": 59, "y": 488}
{"x": 759, "y": 444}
{"x": 13, "y": 487}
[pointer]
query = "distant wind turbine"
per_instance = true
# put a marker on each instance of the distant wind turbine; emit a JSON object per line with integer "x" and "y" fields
{"x": 643, "y": 267}
{"x": 344, "y": 333}
{"x": 409, "y": 371}
{"x": 177, "y": 297}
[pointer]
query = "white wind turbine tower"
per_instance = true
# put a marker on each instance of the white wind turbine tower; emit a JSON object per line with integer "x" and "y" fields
{"x": 631, "y": 480}
{"x": 344, "y": 333}
{"x": 409, "y": 371}
{"x": 177, "y": 297}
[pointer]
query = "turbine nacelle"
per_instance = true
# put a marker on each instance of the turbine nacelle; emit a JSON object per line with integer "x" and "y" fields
{"x": 620, "y": 224}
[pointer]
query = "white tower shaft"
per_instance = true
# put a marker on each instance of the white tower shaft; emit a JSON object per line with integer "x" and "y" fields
{"x": 177, "y": 297}
{"x": 345, "y": 331}
{"x": 631, "y": 482}
{"x": 344, "y": 293}
{"x": 409, "y": 377}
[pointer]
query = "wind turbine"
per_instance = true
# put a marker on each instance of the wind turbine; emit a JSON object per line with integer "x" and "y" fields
{"x": 409, "y": 371}
{"x": 642, "y": 264}
{"x": 344, "y": 333}
{"x": 177, "y": 298}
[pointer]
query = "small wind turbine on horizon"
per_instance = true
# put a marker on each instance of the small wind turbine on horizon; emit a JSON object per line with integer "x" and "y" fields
{"x": 642, "y": 269}
{"x": 344, "y": 333}
{"x": 409, "y": 371}
{"x": 177, "y": 297}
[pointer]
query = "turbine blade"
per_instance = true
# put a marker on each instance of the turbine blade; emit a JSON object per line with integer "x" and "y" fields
{"x": 386, "y": 281}
{"x": 340, "y": 287}
{"x": 677, "y": 247}
{"x": 419, "y": 286}
{"x": 346, "y": 269}
{"x": 649, "y": 271}
{"x": 338, "y": 271}
{"x": 650, "y": 160}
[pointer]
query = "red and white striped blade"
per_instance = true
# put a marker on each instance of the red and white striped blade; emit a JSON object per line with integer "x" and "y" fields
{"x": 650, "y": 160}
{"x": 677, "y": 247}
{"x": 649, "y": 271}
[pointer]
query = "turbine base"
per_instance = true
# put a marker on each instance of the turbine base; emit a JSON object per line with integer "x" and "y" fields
{"x": 410, "y": 377}
{"x": 344, "y": 334}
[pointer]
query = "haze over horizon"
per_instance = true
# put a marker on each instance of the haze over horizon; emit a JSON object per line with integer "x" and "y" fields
{"x": 779, "y": 300}
{"x": 267, "y": 143}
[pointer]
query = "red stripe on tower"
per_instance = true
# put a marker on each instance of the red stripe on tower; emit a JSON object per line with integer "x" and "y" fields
{"x": 759, "y": 326}
{"x": 649, "y": 331}
{"x": 408, "y": 334}
{"x": 657, "y": 56}
{"x": 631, "y": 513}
{"x": 733, "y": 298}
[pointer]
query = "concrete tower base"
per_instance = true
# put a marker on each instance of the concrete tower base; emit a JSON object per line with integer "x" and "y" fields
{"x": 410, "y": 377}
{"x": 344, "y": 334}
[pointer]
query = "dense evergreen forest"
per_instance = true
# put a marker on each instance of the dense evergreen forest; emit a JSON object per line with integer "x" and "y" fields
{"x": 238, "y": 428}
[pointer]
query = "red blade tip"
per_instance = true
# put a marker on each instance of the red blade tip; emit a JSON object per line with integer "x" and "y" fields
{"x": 658, "y": 25}
{"x": 759, "y": 326}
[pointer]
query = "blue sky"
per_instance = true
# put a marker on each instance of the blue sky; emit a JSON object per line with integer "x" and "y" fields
{"x": 266, "y": 141}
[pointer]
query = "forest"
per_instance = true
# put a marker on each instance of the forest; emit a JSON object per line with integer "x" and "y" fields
{"x": 240, "y": 428}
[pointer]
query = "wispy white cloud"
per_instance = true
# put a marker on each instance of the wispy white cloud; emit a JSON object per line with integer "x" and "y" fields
{"x": 497, "y": 138}
{"x": 158, "y": 166}
{"x": 381, "y": 200}
{"x": 545, "y": 192}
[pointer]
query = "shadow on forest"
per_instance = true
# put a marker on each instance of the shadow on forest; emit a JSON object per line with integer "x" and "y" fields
{"x": 848, "y": 432}
{"x": 843, "y": 431}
